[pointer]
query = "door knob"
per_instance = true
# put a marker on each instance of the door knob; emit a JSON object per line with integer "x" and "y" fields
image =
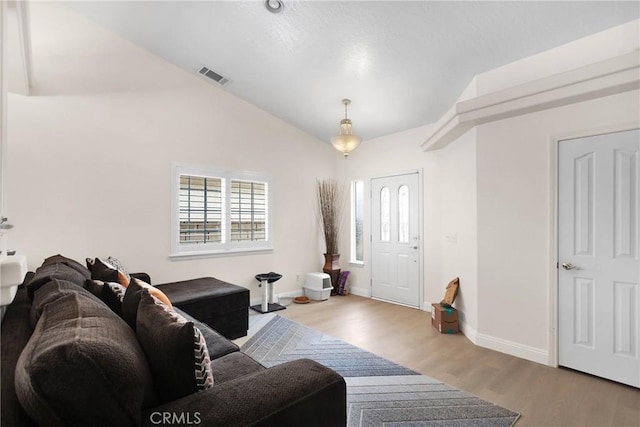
{"x": 569, "y": 266}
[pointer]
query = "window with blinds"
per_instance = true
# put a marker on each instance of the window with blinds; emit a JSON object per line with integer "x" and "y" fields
{"x": 248, "y": 211}
{"x": 218, "y": 211}
{"x": 201, "y": 209}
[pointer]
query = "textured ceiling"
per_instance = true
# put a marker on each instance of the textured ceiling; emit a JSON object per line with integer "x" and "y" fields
{"x": 403, "y": 64}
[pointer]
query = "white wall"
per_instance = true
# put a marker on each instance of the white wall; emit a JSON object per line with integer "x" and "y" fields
{"x": 91, "y": 152}
{"x": 458, "y": 234}
{"x": 379, "y": 157}
{"x": 489, "y": 198}
{"x": 515, "y": 258}
{"x": 488, "y": 216}
{"x": 515, "y": 218}
{"x": 449, "y": 208}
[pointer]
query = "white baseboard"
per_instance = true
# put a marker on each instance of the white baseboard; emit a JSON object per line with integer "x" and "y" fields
{"x": 503, "y": 346}
{"x": 513, "y": 348}
{"x": 361, "y": 292}
{"x": 288, "y": 294}
{"x": 291, "y": 294}
{"x": 469, "y": 332}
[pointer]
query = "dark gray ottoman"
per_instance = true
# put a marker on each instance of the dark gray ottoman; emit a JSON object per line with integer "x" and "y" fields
{"x": 221, "y": 305}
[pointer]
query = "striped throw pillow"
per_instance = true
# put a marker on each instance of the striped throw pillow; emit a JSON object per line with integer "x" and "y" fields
{"x": 176, "y": 350}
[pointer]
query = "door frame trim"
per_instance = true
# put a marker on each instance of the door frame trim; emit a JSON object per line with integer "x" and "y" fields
{"x": 421, "y": 304}
{"x": 554, "y": 145}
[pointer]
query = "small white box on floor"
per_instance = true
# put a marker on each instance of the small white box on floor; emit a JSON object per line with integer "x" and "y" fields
{"x": 317, "y": 286}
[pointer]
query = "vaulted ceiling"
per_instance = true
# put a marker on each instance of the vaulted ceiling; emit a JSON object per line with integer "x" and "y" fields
{"x": 403, "y": 64}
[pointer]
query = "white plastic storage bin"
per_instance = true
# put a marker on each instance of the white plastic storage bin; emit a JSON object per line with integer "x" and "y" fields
{"x": 317, "y": 286}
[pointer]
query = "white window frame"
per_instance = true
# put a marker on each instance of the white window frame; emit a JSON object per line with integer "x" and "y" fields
{"x": 353, "y": 258}
{"x": 227, "y": 247}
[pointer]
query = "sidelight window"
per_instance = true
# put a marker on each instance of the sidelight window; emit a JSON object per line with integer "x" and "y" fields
{"x": 357, "y": 226}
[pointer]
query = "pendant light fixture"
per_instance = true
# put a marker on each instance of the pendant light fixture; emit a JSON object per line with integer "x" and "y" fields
{"x": 346, "y": 142}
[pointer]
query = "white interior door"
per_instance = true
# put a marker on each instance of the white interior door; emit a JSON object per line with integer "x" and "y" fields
{"x": 395, "y": 239}
{"x": 599, "y": 269}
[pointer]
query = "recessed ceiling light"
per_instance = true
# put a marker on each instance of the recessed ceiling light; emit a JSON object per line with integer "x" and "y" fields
{"x": 274, "y": 6}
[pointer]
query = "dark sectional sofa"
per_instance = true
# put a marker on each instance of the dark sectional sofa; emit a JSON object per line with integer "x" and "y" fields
{"x": 69, "y": 360}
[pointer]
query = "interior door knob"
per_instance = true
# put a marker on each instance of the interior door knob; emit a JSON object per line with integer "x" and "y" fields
{"x": 569, "y": 266}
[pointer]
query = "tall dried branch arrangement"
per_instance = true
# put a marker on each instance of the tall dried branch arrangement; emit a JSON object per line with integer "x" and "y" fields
{"x": 330, "y": 206}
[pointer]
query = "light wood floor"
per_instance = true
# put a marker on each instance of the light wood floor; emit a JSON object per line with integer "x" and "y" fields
{"x": 544, "y": 396}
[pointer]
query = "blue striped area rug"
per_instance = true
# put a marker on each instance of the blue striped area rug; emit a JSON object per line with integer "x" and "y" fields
{"x": 379, "y": 392}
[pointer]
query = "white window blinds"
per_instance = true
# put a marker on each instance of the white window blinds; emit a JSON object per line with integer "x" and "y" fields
{"x": 201, "y": 209}
{"x": 249, "y": 211}
{"x": 218, "y": 211}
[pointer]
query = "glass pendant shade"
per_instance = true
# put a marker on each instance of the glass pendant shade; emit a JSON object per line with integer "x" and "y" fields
{"x": 346, "y": 142}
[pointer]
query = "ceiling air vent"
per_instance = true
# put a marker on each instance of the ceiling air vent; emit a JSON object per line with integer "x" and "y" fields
{"x": 212, "y": 75}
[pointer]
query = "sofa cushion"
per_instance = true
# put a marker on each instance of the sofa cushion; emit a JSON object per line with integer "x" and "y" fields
{"x": 83, "y": 366}
{"x": 132, "y": 299}
{"x": 175, "y": 348}
{"x": 68, "y": 262}
{"x": 49, "y": 292}
{"x": 217, "y": 345}
{"x": 234, "y": 365}
{"x": 110, "y": 293}
{"x": 105, "y": 271}
{"x": 48, "y": 272}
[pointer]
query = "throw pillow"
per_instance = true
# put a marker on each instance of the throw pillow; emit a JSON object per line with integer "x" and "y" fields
{"x": 183, "y": 365}
{"x": 113, "y": 295}
{"x": 110, "y": 293}
{"x": 105, "y": 271}
{"x": 132, "y": 299}
{"x": 117, "y": 264}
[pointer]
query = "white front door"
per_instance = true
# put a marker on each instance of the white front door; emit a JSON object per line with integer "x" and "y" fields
{"x": 395, "y": 239}
{"x": 598, "y": 265}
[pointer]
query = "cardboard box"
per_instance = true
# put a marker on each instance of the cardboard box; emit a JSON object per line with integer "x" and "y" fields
{"x": 444, "y": 319}
{"x": 451, "y": 292}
